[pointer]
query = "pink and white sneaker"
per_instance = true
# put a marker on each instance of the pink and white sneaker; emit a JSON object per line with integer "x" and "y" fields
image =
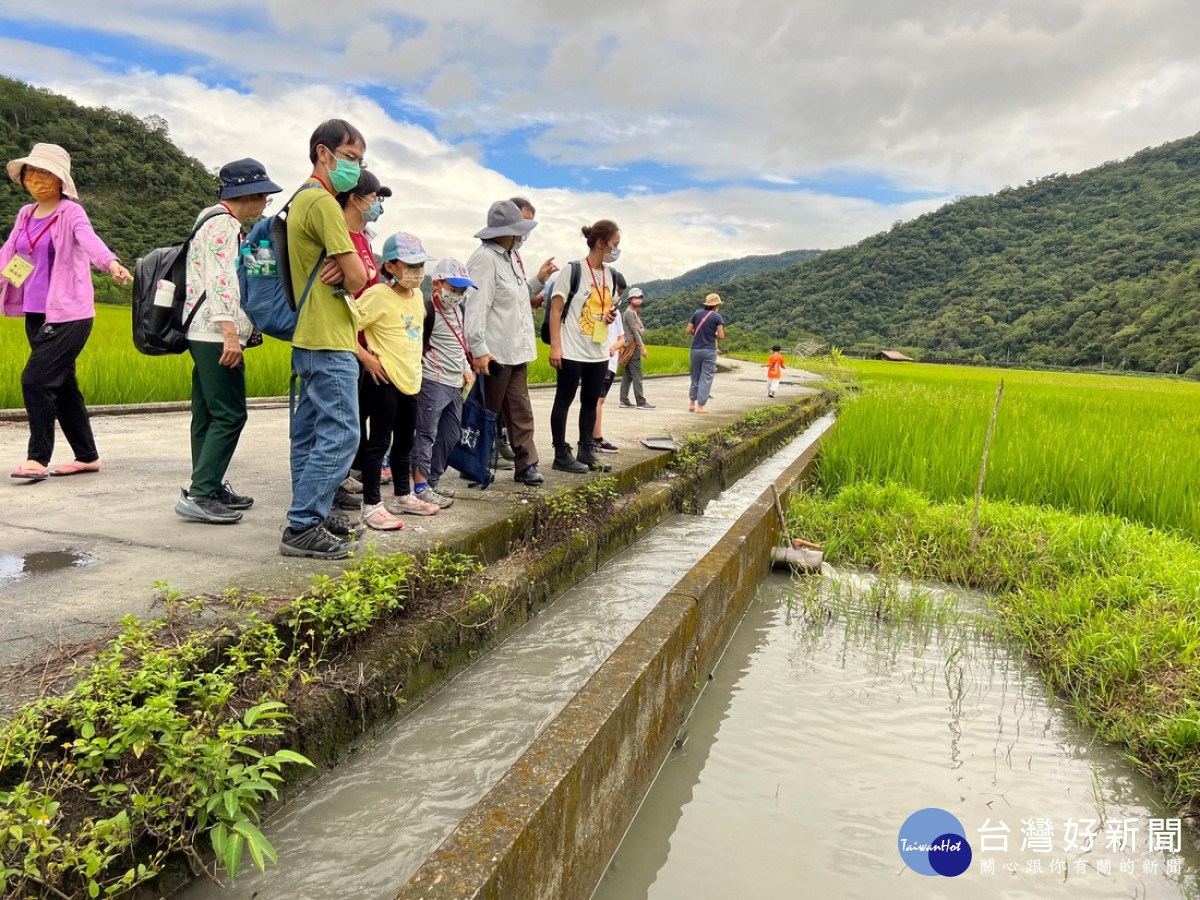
{"x": 379, "y": 518}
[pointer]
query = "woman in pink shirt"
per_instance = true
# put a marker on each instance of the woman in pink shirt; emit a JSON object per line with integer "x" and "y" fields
{"x": 45, "y": 277}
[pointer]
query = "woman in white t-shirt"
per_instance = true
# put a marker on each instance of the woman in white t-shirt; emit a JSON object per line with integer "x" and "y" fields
{"x": 579, "y": 343}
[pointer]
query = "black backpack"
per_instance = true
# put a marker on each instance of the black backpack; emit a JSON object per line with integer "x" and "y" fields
{"x": 162, "y": 330}
{"x": 576, "y": 277}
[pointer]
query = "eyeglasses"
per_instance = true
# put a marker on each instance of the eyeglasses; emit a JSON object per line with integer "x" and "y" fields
{"x": 351, "y": 157}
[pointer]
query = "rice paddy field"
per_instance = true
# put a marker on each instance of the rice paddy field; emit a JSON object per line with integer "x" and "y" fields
{"x": 111, "y": 370}
{"x": 1119, "y": 445}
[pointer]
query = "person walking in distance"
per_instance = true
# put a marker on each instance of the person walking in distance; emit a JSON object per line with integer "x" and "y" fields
{"x": 774, "y": 369}
{"x": 635, "y": 348}
{"x": 706, "y": 328}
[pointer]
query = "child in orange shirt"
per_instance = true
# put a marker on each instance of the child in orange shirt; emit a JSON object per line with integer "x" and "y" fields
{"x": 774, "y": 369}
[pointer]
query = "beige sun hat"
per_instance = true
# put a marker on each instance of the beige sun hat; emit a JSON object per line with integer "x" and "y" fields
{"x": 713, "y": 300}
{"x": 51, "y": 157}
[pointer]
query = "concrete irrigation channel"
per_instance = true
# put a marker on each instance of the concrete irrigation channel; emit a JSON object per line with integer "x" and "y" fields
{"x": 548, "y": 828}
{"x": 368, "y": 823}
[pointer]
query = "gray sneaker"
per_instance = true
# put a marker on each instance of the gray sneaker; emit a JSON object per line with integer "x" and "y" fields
{"x": 444, "y": 491}
{"x": 314, "y": 542}
{"x": 205, "y": 509}
{"x": 429, "y": 495}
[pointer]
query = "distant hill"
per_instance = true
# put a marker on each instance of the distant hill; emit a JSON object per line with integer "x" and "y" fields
{"x": 1102, "y": 267}
{"x": 139, "y": 189}
{"x": 723, "y": 271}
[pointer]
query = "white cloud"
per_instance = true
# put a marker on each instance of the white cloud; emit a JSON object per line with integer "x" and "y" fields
{"x": 936, "y": 96}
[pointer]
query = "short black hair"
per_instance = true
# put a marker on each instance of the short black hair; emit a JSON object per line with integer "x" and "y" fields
{"x": 523, "y": 204}
{"x": 620, "y": 281}
{"x": 776, "y": 349}
{"x": 332, "y": 133}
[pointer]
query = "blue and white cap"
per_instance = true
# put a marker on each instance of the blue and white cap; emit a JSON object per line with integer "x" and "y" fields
{"x": 453, "y": 272}
{"x": 405, "y": 247}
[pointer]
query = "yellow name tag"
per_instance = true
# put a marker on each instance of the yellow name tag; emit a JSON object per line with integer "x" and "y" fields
{"x": 17, "y": 271}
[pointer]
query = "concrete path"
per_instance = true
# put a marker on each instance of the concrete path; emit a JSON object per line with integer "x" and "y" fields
{"x": 79, "y": 553}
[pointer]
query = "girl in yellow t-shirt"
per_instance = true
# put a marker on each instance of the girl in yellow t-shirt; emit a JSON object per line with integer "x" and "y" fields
{"x": 391, "y": 317}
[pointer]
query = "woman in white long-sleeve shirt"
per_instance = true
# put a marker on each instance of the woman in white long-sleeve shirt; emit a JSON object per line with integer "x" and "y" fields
{"x": 499, "y": 322}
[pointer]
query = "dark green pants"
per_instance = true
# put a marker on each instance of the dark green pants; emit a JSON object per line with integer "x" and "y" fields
{"x": 218, "y": 415}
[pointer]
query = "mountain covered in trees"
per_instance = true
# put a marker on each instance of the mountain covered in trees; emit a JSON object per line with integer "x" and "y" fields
{"x": 725, "y": 270}
{"x": 139, "y": 189}
{"x": 1098, "y": 268}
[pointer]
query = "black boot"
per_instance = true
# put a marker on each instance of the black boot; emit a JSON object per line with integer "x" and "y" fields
{"x": 587, "y": 457}
{"x": 564, "y": 461}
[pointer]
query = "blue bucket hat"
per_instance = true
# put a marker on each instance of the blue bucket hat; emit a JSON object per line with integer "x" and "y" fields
{"x": 244, "y": 177}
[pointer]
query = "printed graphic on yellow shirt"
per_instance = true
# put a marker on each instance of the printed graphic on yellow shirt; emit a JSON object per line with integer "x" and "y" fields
{"x": 594, "y": 308}
{"x": 411, "y": 329}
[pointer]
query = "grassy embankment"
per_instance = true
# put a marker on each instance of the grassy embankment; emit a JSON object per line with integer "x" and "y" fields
{"x": 1088, "y": 537}
{"x": 112, "y": 371}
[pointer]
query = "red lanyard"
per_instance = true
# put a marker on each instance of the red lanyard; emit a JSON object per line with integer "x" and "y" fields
{"x": 446, "y": 319}
{"x": 33, "y": 241}
{"x": 517, "y": 256}
{"x": 597, "y": 286}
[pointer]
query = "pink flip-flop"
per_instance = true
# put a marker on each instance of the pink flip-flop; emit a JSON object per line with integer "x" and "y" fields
{"x": 73, "y": 468}
{"x": 29, "y": 473}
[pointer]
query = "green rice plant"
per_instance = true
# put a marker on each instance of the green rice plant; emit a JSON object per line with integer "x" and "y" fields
{"x": 111, "y": 370}
{"x": 1123, "y": 446}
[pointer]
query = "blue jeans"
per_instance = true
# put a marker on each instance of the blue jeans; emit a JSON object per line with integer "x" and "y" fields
{"x": 703, "y": 368}
{"x": 324, "y": 431}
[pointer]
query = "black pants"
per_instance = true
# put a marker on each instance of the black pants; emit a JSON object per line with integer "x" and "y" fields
{"x": 392, "y": 419}
{"x": 51, "y": 391}
{"x": 588, "y": 379}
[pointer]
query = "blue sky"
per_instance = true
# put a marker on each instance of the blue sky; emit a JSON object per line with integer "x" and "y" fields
{"x": 707, "y": 130}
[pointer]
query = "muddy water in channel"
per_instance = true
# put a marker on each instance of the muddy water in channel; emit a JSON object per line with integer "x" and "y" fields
{"x": 819, "y": 737}
{"x": 366, "y": 826}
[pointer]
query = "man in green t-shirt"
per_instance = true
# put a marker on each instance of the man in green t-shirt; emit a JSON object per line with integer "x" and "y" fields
{"x": 325, "y": 426}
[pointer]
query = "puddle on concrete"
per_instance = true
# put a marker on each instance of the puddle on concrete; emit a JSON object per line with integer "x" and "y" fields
{"x": 14, "y": 568}
{"x": 821, "y": 734}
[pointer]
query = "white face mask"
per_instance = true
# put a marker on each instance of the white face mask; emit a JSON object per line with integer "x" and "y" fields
{"x": 517, "y": 244}
{"x": 451, "y": 297}
{"x": 612, "y": 255}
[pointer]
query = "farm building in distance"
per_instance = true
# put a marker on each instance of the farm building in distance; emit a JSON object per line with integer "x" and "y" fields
{"x": 892, "y": 356}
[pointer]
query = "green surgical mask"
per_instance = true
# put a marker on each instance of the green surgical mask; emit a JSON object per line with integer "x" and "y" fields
{"x": 344, "y": 176}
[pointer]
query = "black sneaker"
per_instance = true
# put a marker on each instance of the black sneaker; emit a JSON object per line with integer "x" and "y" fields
{"x": 606, "y": 447}
{"x": 209, "y": 510}
{"x": 529, "y": 475}
{"x": 340, "y": 527}
{"x": 314, "y": 542}
{"x": 227, "y": 496}
{"x": 343, "y": 499}
{"x": 646, "y": 406}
